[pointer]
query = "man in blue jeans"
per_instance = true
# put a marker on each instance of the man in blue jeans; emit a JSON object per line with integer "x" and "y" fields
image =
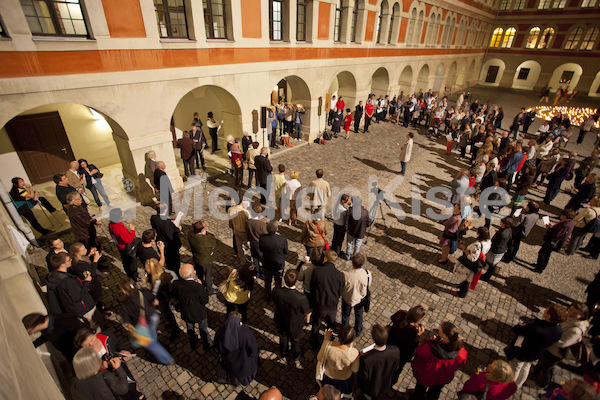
{"x": 357, "y": 228}
{"x": 356, "y": 283}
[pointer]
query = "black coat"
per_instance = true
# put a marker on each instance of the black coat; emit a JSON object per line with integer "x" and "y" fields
{"x": 171, "y": 237}
{"x": 192, "y": 298}
{"x": 500, "y": 241}
{"x": 290, "y": 308}
{"x": 159, "y": 173}
{"x": 488, "y": 180}
{"x": 405, "y": 337}
{"x": 538, "y": 336}
{"x": 104, "y": 385}
{"x": 78, "y": 268}
{"x": 263, "y": 169}
{"x": 326, "y": 286}
{"x": 357, "y": 228}
{"x": 61, "y": 332}
{"x": 239, "y": 352}
{"x": 72, "y": 294}
{"x": 377, "y": 371}
{"x": 274, "y": 248}
{"x": 131, "y": 307}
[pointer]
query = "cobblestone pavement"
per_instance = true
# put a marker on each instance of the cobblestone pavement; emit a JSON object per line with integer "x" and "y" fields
{"x": 402, "y": 256}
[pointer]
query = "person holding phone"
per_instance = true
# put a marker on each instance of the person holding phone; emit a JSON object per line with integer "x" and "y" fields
{"x": 555, "y": 238}
{"x": 95, "y": 382}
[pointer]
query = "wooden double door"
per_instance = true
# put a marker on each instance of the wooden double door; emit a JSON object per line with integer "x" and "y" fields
{"x": 42, "y": 145}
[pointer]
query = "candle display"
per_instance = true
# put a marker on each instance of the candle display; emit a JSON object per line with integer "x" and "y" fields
{"x": 576, "y": 114}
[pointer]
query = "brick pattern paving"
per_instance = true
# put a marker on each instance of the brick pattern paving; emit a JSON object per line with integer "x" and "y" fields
{"x": 401, "y": 255}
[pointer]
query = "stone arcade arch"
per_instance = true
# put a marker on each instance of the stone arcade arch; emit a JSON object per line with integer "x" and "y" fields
{"x": 567, "y": 74}
{"x": 595, "y": 87}
{"x": 492, "y": 71}
{"x": 439, "y": 77}
{"x": 380, "y": 82}
{"x": 41, "y": 141}
{"x": 526, "y": 75}
{"x": 423, "y": 79}
{"x": 406, "y": 80}
{"x": 451, "y": 79}
{"x": 471, "y": 74}
{"x": 344, "y": 84}
{"x": 205, "y": 99}
{"x": 296, "y": 91}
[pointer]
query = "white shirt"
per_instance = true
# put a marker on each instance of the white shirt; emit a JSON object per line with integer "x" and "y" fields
{"x": 291, "y": 187}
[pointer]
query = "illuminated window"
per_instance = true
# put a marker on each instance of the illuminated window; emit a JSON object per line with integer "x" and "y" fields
{"x": 55, "y": 17}
{"x": 519, "y": 5}
{"x": 589, "y": 39}
{"x": 496, "y": 36}
{"x": 546, "y": 38}
{"x": 559, "y": 4}
{"x": 588, "y": 3}
{"x": 566, "y": 77}
{"x": 504, "y": 5}
{"x": 337, "y": 30}
{"x": 534, "y": 33}
{"x": 276, "y": 20}
{"x": 544, "y": 4}
{"x": 509, "y": 38}
{"x": 573, "y": 39}
{"x": 214, "y": 19}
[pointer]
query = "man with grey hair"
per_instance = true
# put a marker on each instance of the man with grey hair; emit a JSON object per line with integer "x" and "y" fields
{"x": 82, "y": 223}
{"x": 163, "y": 184}
{"x": 327, "y": 392}
{"x": 274, "y": 247}
{"x": 193, "y": 299}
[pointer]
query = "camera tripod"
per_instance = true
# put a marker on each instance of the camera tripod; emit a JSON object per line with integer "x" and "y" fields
{"x": 377, "y": 209}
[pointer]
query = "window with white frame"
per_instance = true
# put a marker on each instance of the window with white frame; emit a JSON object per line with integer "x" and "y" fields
{"x": 588, "y": 3}
{"x": 559, "y": 4}
{"x": 544, "y": 4}
{"x": 354, "y": 22}
{"x": 573, "y": 39}
{"x": 276, "y": 20}
{"x": 519, "y": 5}
{"x": 504, "y": 5}
{"x": 215, "y": 19}
{"x": 337, "y": 29}
{"x": 55, "y": 17}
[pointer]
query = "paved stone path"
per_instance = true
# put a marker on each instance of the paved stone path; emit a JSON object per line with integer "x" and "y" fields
{"x": 401, "y": 255}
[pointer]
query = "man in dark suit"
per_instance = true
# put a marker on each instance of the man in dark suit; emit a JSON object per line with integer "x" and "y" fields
{"x": 193, "y": 299}
{"x": 378, "y": 366}
{"x": 263, "y": 170}
{"x": 188, "y": 153}
{"x": 200, "y": 142}
{"x": 203, "y": 245}
{"x": 291, "y": 308}
{"x": 169, "y": 234}
{"x": 326, "y": 286}
{"x": 358, "y": 112}
{"x": 166, "y": 189}
{"x": 82, "y": 223}
{"x": 63, "y": 189}
{"x": 273, "y": 248}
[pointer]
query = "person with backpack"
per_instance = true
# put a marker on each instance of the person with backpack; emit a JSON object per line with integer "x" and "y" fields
{"x": 586, "y": 221}
{"x": 573, "y": 329}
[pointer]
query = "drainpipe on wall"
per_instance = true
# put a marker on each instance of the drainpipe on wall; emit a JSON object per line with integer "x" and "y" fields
{"x": 16, "y": 217}
{"x": 487, "y": 47}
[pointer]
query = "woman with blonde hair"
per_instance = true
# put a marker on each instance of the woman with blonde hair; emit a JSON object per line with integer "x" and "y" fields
{"x": 160, "y": 284}
{"x": 95, "y": 383}
{"x": 82, "y": 266}
{"x": 236, "y": 289}
{"x": 497, "y": 381}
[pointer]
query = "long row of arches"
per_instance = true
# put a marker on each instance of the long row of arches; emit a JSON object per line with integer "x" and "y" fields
{"x": 149, "y": 115}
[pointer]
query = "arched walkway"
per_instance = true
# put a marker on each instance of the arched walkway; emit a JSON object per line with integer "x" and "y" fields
{"x": 294, "y": 89}
{"x": 526, "y": 75}
{"x": 205, "y": 99}
{"x": 406, "y": 80}
{"x": 423, "y": 79}
{"x": 439, "y": 77}
{"x": 344, "y": 85}
{"x": 380, "y": 82}
{"x": 565, "y": 75}
{"x": 41, "y": 141}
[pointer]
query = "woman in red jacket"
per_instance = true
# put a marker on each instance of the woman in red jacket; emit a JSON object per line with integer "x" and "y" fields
{"x": 436, "y": 361}
{"x": 347, "y": 122}
{"x": 501, "y": 378}
{"x": 123, "y": 235}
